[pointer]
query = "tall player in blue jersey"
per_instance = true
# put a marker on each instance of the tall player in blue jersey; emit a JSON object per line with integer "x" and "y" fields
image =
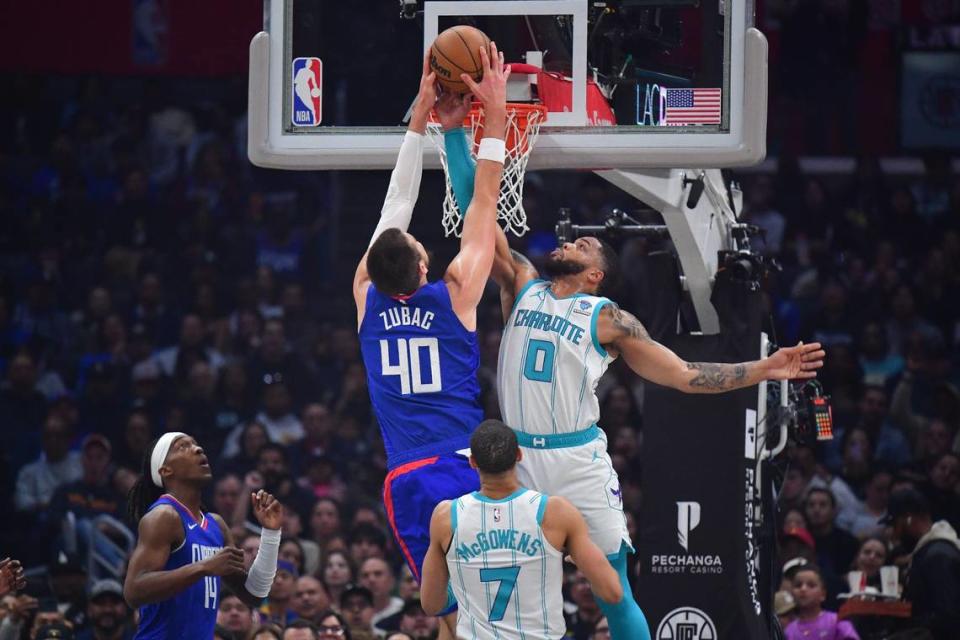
{"x": 418, "y": 338}
{"x": 182, "y": 553}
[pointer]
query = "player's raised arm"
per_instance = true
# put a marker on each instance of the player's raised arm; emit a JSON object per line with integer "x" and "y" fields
{"x": 436, "y": 574}
{"x": 563, "y": 517}
{"x": 253, "y": 586}
{"x": 621, "y": 332}
{"x": 468, "y": 272}
{"x": 404, "y": 181}
{"x": 160, "y": 531}
{"x": 511, "y": 269}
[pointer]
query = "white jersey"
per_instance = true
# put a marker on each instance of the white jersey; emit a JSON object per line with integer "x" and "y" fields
{"x": 550, "y": 362}
{"x": 506, "y": 576}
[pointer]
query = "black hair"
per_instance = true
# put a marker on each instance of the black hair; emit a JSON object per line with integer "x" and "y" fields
{"x": 270, "y": 628}
{"x": 812, "y": 568}
{"x": 273, "y": 446}
{"x": 143, "y": 493}
{"x": 392, "y": 264}
{"x": 300, "y": 623}
{"x": 340, "y": 619}
{"x": 297, "y": 542}
{"x": 493, "y": 447}
{"x": 368, "y": 533}
{"x": 824, "y": 491}
{"x": 227, "y": 592}
{"x": 611, "y": 269}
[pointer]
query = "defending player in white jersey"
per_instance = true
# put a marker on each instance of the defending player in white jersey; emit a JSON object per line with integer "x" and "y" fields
{"x": 500, "y": 550}
{"x": 560, "y": 336}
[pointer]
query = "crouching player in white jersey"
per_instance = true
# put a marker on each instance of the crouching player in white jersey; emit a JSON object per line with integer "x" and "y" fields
{"x": 560, "y": 335}
{"x": 501, "y": 550}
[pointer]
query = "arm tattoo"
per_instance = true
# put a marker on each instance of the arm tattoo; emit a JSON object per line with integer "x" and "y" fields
{"x": 626, "y": 325}
{"x": 718, "y": 377}
{"x": 521, "y": 260}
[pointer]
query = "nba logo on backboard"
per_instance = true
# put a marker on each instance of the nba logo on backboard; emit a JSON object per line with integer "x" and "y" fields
{"x": 307, "y": 91}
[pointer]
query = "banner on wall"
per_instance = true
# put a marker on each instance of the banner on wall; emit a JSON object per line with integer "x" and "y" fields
{"x": 697, "y": 547}
{"x": 930, "y": 100}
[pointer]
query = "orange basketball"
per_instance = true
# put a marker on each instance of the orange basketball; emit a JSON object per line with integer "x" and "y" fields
{"x": 456, "y": 51}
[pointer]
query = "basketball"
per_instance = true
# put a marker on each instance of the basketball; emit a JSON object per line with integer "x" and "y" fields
{"x": 456, "y": 51}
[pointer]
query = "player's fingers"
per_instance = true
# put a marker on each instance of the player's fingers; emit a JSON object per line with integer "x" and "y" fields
{"x": 485, "y": 59}
{"x": 426, "y": 61}
{"x": 506, "y": 72}
{"x": 810, "y": 366}
{"x": 817, "y": 355}
{"x": 500, "y": 64}
{"x": 813, "y": 346}
{"x": 467, "y": 80}
{"x": 494, "y": 56}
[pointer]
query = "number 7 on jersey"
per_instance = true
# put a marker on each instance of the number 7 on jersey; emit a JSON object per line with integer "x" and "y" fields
{"x": 507, "y": 577}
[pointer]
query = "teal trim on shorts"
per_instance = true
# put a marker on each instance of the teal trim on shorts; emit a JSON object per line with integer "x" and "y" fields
{"x": 557, "y": 440}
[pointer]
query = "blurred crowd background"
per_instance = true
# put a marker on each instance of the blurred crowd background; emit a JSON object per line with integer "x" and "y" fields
{"x": 151, "y": 279}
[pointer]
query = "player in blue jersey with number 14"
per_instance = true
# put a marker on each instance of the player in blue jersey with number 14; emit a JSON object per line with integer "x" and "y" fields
{"x": 418, "y": 338}
{"x": 183, "y": 553}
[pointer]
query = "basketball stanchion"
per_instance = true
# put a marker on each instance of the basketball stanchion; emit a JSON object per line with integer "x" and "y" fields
{"x": 523, "y": 127}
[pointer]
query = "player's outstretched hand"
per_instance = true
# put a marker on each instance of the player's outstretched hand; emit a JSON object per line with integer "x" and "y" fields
{"x": 427, "y": 94}
{"x": 267, "y": 509}
{"x": 795, "y": 363}
{"x": 452, "y": 109}
{"x": 227, "y": 562}
{"x": 11, "y": 576}
{"x": 492, "y": 89}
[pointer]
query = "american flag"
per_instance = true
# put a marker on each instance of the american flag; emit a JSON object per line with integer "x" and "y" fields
{"x": 692, "y": 106}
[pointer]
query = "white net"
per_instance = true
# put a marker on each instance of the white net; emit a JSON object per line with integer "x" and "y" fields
{"x": 523, "y": 127}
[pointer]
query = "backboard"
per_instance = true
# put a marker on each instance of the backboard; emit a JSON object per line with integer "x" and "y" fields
{"x": 628, "y": 83}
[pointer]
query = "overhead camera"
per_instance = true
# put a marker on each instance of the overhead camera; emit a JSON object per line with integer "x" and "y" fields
{"x": 747, "y": 265}
{"x": 617, "y": 223}
{"x": 409, "y": 9}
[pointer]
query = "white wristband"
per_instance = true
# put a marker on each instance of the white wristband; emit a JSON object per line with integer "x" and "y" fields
{"x": 492, "y": 149}
{"x": 264, "y": 567}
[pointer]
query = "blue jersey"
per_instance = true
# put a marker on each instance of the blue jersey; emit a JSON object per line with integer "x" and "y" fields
{"x": 422, "y": 373}
{"x": 192, "y": 613}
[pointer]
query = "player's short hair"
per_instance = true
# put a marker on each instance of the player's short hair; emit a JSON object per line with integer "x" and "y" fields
{"x": 611, "y": 269}
{"x": 392, "y": 264}
{"x": 493, "y": 447}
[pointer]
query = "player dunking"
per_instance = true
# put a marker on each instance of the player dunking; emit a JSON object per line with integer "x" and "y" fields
{"x": 501, "y": 550}
{"x": 183, "y": 553}
{"x": 560, "y": 335}
{"x": 418, "y": 338}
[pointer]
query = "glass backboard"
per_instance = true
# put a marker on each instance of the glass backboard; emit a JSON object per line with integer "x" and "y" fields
{"x": 627, "y": 83}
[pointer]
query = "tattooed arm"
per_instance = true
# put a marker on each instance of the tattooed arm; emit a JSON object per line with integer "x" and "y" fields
{"x": 620, "y": 332}
{"x": 511, "y": 271}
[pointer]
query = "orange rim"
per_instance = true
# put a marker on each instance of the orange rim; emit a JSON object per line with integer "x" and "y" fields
{"x": 522, "y": 114}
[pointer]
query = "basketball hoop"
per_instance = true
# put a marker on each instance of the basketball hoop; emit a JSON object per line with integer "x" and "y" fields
{"x": 523, "y": 127}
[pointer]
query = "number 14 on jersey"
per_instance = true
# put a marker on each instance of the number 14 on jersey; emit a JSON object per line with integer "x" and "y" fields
{"x": 409, "y": 364}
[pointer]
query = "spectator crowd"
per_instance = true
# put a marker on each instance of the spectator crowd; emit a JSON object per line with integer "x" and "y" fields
{"x": 151, "y": 280}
